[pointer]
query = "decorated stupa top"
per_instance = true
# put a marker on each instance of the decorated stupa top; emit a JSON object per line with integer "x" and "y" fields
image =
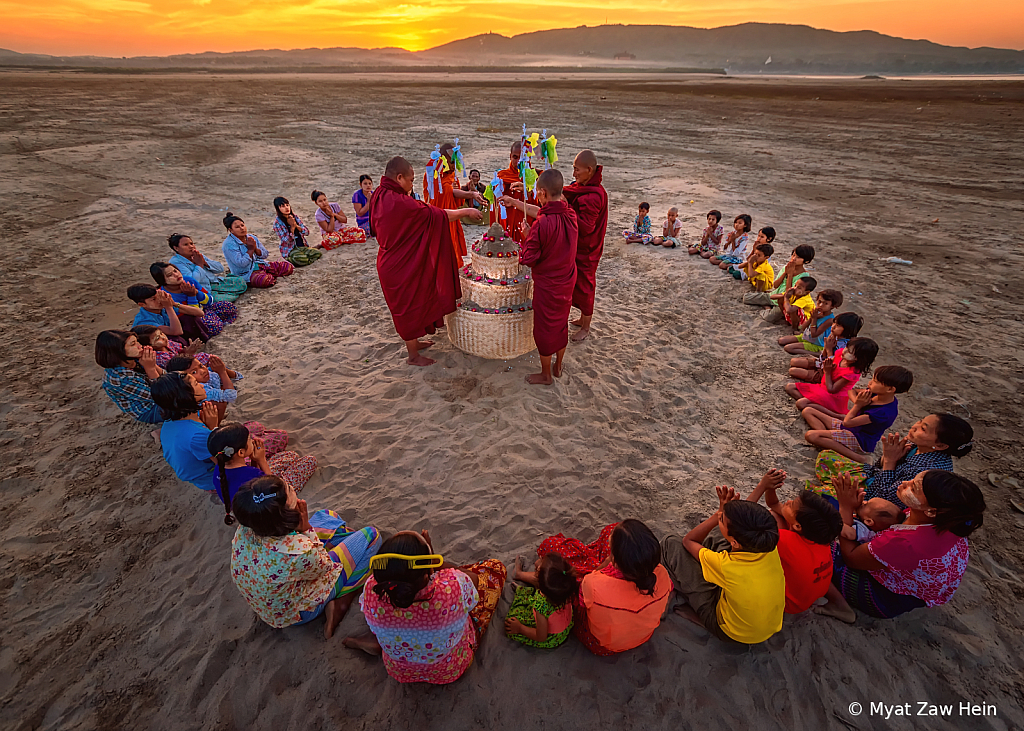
{"x": 496, "y": 242}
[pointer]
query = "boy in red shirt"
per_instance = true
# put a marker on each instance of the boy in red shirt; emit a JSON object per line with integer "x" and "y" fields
{"x": 808, "y": 525}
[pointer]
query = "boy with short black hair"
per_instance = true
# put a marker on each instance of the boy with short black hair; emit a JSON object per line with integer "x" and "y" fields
{"x": 874, "y": 410}
{"x": 756, "y": 268}
{"x": 156, "y": 307}
{"x": 732, "y": 579}
{"x": 793, "y": 271}
{"x": 798, "y": 305}
{"x": 808, "y": 525}
{"x": 641, "y": 231}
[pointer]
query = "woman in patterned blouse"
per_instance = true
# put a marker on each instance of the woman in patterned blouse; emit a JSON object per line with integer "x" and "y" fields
{"x": 291, "y": 566}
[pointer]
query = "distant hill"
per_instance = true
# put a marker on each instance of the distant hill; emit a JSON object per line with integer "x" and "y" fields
{"x": 744, "y": 48}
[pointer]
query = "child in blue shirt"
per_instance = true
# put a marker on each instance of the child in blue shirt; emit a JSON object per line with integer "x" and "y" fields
{"x": 641, "y": 231}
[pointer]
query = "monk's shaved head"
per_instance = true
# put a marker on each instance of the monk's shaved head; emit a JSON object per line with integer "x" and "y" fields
{"x": 517, "y": 149}
{"x": 396, "y": 166}
{"x": 551, "y": 182}
{"x": 587, "y": 159}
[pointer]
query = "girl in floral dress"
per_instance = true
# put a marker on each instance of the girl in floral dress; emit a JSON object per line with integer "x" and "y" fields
{"x": 426, "y": 618}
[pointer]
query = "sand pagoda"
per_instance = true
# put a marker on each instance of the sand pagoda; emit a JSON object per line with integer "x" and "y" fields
{"x": 494, "y": 318}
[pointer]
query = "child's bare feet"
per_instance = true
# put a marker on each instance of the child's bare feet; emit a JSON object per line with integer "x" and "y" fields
{"x": 365, "y": 642}
{"x": 842, "y": 613}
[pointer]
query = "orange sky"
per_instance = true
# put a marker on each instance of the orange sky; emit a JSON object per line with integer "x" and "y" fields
{"x": 165, "y": 27}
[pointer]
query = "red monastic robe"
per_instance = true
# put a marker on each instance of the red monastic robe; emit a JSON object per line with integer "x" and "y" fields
{"x": 513, "y": 216}
{"x": 444, "y": 198}
{"x": 550, "y": 251}
{"x": 590, "y": 202}
{"x": 416, "y": 262}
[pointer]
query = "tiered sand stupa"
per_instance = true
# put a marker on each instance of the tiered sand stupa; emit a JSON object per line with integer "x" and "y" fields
{"x": 494, "y": 319}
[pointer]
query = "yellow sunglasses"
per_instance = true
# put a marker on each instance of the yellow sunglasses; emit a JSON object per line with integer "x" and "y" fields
{"x": 433, "y": 561}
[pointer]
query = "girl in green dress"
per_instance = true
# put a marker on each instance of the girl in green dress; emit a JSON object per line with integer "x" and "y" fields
{"x": 541, "y": 612}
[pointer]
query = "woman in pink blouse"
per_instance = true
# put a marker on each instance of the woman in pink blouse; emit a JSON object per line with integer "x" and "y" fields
{"x": 916, "y": 563}
{"x": 426, "y": 618}
{"x": 290, "y": 566}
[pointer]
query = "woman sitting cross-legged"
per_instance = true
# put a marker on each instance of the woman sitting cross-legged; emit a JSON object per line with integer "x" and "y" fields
{"x": 426, "y": 617}
{"x": 916, "y": 563}
{"x": 187, "y": 291}
{"x": 290, "y": 566}
{"x": 209, "y": 272}
{"x": 248, "y": 258}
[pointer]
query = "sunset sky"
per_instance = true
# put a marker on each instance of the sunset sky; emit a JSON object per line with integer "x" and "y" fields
{"x": 165, "y": 27}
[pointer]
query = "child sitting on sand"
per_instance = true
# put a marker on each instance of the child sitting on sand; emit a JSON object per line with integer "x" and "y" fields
{"x": 157, "y": 308}
{"x": 765, "y": 236}
{"x": 808, "y": 525}
{"x": 711, "y": 238}
{"x": 233, "y": 449}
{"x": 670, "y": 230}
{"x": 729, "y": 572}
{"x": 845, "y": 327}
{"x": 217, "y": 380}
{"x": 165, "y": 348}
{"x": 734, "y": 248}
{"x": 798, "y": 304}
{"x": 641, "y": 231}
{"x": 541, "y": 613}
{"x": 756, "y": 268}
{"x": 874, "y": 410}
{"x": 819, "y": 325}
{"x": 839, "y": 375}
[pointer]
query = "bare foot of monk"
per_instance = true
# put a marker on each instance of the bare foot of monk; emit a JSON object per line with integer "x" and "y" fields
{"x": 576, "y": 323}
{"x": 686, "y": 611}
{"x": 540, "y": 379}
{"x": 556, "y": 369}
{"x": 424, "y": 344}
{"x": 334, "y": 612}
{"x": 414, "y": 347}
{"x": 421, "y": 361}
{"x": 367, "y": 643}
{"x": 580, "y": 335}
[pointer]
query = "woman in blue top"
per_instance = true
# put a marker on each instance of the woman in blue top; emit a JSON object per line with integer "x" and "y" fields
{"x": 186, "y": 427}
{"x": 247, "y": 257}
{"x": 187, "y": 291}
{"x": 209, "y": 273}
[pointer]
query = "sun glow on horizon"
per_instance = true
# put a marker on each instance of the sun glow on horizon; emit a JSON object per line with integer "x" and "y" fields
{"x": 168, "y": 27}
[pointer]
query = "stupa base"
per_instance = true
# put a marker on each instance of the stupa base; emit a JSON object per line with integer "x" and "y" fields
{"x": 494, "y": 336}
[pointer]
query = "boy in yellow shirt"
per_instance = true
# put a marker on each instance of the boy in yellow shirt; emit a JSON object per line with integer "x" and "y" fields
{"x": 732, "y": 578}
{"x": 756, "y": 268}
{"x": 798, "y": 305}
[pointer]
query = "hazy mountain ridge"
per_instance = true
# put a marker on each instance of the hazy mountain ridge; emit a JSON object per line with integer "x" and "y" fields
{"x": 737, "y": 48}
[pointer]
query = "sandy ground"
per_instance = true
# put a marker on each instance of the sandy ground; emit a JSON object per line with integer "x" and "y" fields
{"x": 117, "y": 606}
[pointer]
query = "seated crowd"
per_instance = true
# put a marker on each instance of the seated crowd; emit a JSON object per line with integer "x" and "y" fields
{"x": 879, "y": 536}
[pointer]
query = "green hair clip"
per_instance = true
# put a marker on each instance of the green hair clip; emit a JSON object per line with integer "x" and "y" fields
{"x": 432, "y": 561}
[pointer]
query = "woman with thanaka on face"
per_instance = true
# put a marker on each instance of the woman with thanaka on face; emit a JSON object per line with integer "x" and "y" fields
{"x": 209, "y": 273}
{"x": 248, "y": 258}
{"x": 426, "y": 616}
{"x": 917, "y": 563}
{"x": 128, "y": 370}
{"x": 290, "y": 566}
{"x": 416, "y": 260}
{"x": 550, "y": 252}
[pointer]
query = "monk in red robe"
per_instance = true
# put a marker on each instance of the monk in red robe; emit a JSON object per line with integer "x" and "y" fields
{"x": 588, "y": 198}
{"x": 416, "y": 262}
{"x": 550, "y": 252}
{"x": 513, "y": 187}
{"x": 447, "y": 195}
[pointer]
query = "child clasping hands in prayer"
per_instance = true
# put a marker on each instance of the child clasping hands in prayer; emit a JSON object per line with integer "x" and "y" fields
{"x": 670, "y": 230}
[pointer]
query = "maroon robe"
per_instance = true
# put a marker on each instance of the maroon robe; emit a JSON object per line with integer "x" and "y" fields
{"x": 415, "y": 262}
{"x": 550, "y": 251}
{"x": 590, "y": 202}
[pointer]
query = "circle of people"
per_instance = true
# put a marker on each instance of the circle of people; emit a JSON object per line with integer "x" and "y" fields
{"x": 880, "y": 536}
